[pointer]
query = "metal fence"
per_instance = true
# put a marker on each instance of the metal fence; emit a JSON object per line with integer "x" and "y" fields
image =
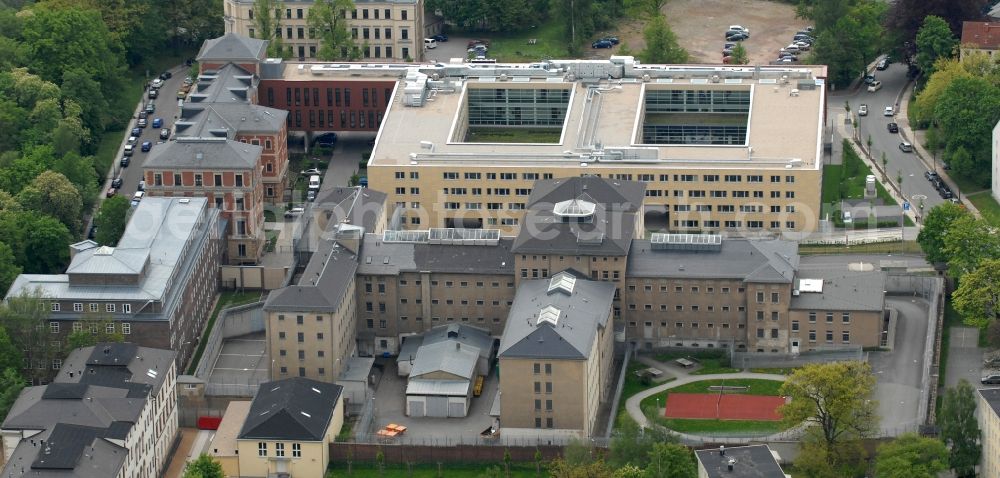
{"x": 231, "y": 322}
{"x": 752, "y": 360}
{"x": 474, "y": 439}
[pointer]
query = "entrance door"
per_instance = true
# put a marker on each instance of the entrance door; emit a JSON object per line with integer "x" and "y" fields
{"x": 795, "y": 347}
{"x": 282, "y": 466}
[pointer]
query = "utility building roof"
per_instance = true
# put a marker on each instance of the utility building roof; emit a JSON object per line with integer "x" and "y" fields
{"x": 291, "y": 409}
{"x": 750, "y": 260}
{"x": 756, "y": 461}
{"x": 474, "y": 257}
{"x": 553, "y": 321}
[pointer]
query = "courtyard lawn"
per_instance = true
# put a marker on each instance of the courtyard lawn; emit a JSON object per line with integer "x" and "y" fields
{"x": 986, "y": 205}
{"x": 712, "y": 362}
{"x": 550, "y": 42}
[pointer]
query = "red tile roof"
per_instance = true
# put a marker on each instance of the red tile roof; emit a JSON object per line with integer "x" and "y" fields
{"x": 984, "y": 35}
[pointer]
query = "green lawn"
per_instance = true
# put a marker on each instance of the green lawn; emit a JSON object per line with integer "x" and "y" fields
{"x": 716, "y": 427}
{"x": 965, "y": 185}
{"x": 369, "y": 470}
{"x": 847, "y": 180}
{"x": 226, "y": 299}
{"x": 712, "y": 362}
{"x": 551, "y": 42}
{"x": 775, "y": 371}
{"x": 986, "y": 205}
{"x": 634, "y": 384}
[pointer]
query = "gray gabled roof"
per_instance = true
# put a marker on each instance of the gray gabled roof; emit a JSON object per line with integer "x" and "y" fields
{"x": 607, "y": 232}
{"x": 545, "y": 323}
{"x": 992, "y": 398}
{"x": 69, "y": 450}
{"x": 212, "y": 154}
{"x": 449, "y": 356}
{"x": 232, "y": 47}
{"x": 755, "y": 461}
{"x": 109, "y": 260}
{"x": 751, "y": 260}
{"x": 291, "y": 409}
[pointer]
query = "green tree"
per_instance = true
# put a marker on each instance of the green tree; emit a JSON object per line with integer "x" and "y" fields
{"x": 661, "y": 43}
{"x": 327, "y": 20}
{"x": 93, "y": 330}
{"x": 46, "y": 246}
{"x": 11, "y": 384}
{"x": 968, "y": 242}
{"x": 631, "y": 445}
{"x": 51, "y": 193}
{"x": 966, "y": 112}
{"x": 978, "y": 295}
{"x": 644, "y": 8}
{"x": 560, "y": 468}
{"x": 960, "y": 428}
{"x": 835, "y": 397}
{"x": 934, "y": 40}
{"x": 267, "y": 20}
{"x": 740, "y": 56}
{"x": 9, "y": 270}
{"x": 111, "y": 220}
{"x": 204, "y": 467}
{"x": 936, "y": 225}
{"x": 25, "y": 316}
{"x": 851, "y": 41}
{"x": 10, "y": 355}
{"x": 671, "y": 460}
{"x": 816, "y": 460}
{"x": 907, "y": 16}
{"x": 911, "y": 456}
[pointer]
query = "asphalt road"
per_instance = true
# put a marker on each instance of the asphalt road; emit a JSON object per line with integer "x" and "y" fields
{"x": 893, "y": 81}
{"x": 166, "y": 108}
{"x": 898, "y": 373}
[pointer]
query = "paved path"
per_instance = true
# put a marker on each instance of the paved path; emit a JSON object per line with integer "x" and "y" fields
{"x": 684, "y": 377}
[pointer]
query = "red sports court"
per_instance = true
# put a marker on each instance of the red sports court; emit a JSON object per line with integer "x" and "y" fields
{"x": 723, "y": 406}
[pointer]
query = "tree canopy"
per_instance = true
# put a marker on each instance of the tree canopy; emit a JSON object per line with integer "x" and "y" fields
{"x": 849, "y": 35}
{"x": 911, "y": 456}
{"x": 661, "y": 43}
{"x": 203, "y": 467}
{"x": 936, "y": 224}
{"x": 836, "y": 397}
{"x": 934, "y": 40}
{"x": 111, "y": 220}
{"x": 978, "y": 295}
{"x": 327, "y": 19}
{"x": 960, "y": 427}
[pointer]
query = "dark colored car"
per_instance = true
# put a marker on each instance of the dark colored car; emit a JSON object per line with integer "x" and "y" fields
{"x": 116, "y": 183}
{"x": 136, "y": 131}
{"x": 882, "y": 64}
{"x": 111, "y": 192}
{"x": 165, "y": 75}
{"x": 327, "y": 139}
{"x": 613, "y": 40}
{"x": 150, "y": 107}
{"x": 473, "y": 43}
{"x": 736, "y": 36}
{"x": 892, "y": 127}
{"x": 146, "y": 146}
{"x": 92, "y": 232}
{"x": 157, "y": 122}
{"x": 440, "y": 37}
{"x": 153, "y": 94}
{"x": 143, "y": 114}
{"x": 164, "y": 133}
{"x": 869, "y": 79}
{"x": 124, "y": 162}
{"x": 601, "y": 44}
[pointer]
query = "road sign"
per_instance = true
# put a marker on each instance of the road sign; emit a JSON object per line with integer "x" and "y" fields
{"x": 906, "y": 205}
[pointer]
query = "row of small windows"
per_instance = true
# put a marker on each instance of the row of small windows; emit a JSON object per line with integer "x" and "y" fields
{"x": 383, "y": 323}
{"x": 347, "y": 119}
{"x": 333, "y": 97}
{"x": 680, "y": 308}
{"x": 693, "y": 325}
{"x": 694, "y": 223}
{"x": 364, "y": 14}
{"x": 93, "y": 307}
{"x": 450, "y": 175}
{"x": 679, "y": 288}
{"x": 54, "y": 327}
{"x": 404, "y": 283}
{"x": 279, "y": 449}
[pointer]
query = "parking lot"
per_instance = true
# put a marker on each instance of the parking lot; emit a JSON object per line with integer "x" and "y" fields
{"x": 899, "y": 372}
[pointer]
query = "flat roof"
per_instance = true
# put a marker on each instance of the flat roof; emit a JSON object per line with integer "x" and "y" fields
{"x": 784, "y": 127}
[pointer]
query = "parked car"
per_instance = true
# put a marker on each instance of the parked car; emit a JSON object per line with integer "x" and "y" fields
{"x": 92, "y": 232}
{"x": 188, "y": 80}
{"x": 146, "y": 146}
{"x": 931, "y": 175}
{"x": 111, "y": 191}
{"x": 726, "y": 60}
{"x": 863, "y": 110}
{"x": 143, "y": 114}
{"x": 129, "y": 149}
{"x": 116, "y": 183}
{"x": 613, "y": 40}
{"x": 181, "y": 94}
{"x": 727, "y": 52}
{"x": 473, "y": 43}
{"x": 137, "y": 197}
{"x": 803, "y": 46}
{"x": 310, "y": 172}
{"x": 150, "y": 107}
{"x": 892, "y": 127}
{"x": 166, "y": 75}
{"x": 847, "y": 217}
{"x": 142, "y": 186}
{"x": 739, "y": 28}
{"x": 906, "y": 147}
{"x": 132, "y": 140}
{"x": 945, "y": 192}
{"x": 295, "y": 211}
{"x": 136, "y": 131}
{"x": 728, "y": 45}
{"x": 869, "y": 79}
{"x": 601, "y": 44}
{"x": 875, "y": 86}
{"x": 153, "y": 94}
{"x": 736, "y": 36}
{"x": 311, "y": 195}
{"x": 157, "y": 122}
{"x": 803, "y": 38}
{"x": 326, "y": 140}
{"x": 124, "y": 161}
{"x": 141, "y": 122}
{"x": 164, "y": 133}
{"x": 440, "y": 37}
{"x": 882, "y": 64}
{"x": 157, "y": 82}
{"x": 888, "y": 111}
{"x": 792, "y": 48}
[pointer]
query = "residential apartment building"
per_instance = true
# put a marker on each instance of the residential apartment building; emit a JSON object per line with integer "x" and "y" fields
{"x": 555, "y": 354}
{"x": 158, "y": 285}
{"x": 311, "y": 326}
{"x": 980, "y": 37}
{"x": 285, "y": 431}
{"x": 111, "y": 412}
{"x": 391, "y": 30}
{"x": 988, "y": 412}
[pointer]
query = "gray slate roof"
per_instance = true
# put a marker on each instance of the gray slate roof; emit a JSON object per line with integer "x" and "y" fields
{"x": 195, "y": 153}
{"x": 609, "y": 233}
{"x": 73, "y": 450}
{"x": 232, "y": 47}
{"x": 581, "y": 313}
{"x": 751, "y": 260}
{"x": 465, "y": 334}
{"x": 754, "y": 461}
{"x": 109, "y": 260}
{"x": 393, "y": 258}
{"x": 842, "y": 290}
{"x": 992, "y": 397}
{"x": 449, "y": 356}
{"x": 291, "y": 409}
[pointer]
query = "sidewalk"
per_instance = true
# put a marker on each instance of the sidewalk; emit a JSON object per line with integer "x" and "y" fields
{"x": 917, "y": 138}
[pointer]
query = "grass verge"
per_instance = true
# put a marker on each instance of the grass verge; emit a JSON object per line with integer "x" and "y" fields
{"x": 775, "y": 371}
{"x": 226, "y": 299}
{"x": 711, "y": 362}
{"x": 847, "y": 180}
{"x": 633, "y": 385}
{"x": 904, "y": 247}
{"x": 424, "y": 470}
{"x": 986, "y": 205}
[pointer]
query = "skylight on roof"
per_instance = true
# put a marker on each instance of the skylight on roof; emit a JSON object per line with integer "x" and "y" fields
{"x": 316, "y": 390}
{"x": 305, "y": 414}
{"x": 549, "y": 314}
{"x": 574, "y": 208}
{"x": 151, "y": 373}
{"x": 563, "y": 282}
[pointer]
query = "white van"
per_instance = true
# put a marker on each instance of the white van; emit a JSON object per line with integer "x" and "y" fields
{"x": 314, "y": 181}
{"x": 430, "y": 43}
